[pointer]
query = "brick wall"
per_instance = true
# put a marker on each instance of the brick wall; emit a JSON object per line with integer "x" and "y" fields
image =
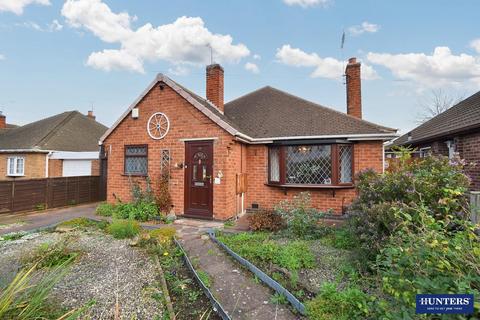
{"x": 55, "y": 168}
{"x": 34, "y": 165}
{"x": 366, "y": 155}
{"x": 468, "y": 147}
{"x": 95, "y": 167}
{"x": 185, "y": 122}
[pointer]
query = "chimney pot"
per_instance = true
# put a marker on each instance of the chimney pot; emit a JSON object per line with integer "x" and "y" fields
{"x": 354, "y": 88}
{"x": 3, "y": 120}
{"x": 215, "y": 85}
{"x": 90, "y": 115}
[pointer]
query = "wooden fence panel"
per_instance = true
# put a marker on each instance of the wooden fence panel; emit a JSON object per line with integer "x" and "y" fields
{"x": 6, "y": 196}
{"x": 58, "y": 192}
{"x": 35, "y": 194}
{"x": 29, "y": 194}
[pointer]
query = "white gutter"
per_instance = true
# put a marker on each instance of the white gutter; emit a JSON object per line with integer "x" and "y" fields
{"x": 351, "y": 137}
{"x": 25, "y": 150}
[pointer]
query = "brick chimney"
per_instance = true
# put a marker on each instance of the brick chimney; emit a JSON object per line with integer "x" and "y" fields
{"x": 3, "y": 121}
{"x": 215, "y": 85}
{"x": 90, "y": 115}
{"x": 354, "y": 88}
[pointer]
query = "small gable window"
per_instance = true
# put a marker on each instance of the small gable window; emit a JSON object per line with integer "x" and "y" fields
{"x": 311, "y": 165}
{"x": 16, "y": 166}
{"x": 136, "y": 160}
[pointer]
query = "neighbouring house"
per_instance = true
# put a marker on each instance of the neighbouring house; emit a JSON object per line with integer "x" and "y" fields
{"x": 453, "y": 132}
{"x": 247, "y": 154}
{"x": 59, "y": 146}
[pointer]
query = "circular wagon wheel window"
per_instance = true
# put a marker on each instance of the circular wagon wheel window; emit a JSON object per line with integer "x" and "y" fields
{"x": 158, "y": 126}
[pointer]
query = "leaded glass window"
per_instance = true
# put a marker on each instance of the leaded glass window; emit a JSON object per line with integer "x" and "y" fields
{"x": 345, "y": 157}
{"x": 310, "y": 164}
{"x": 274, "y": 154}
{"x": 136, "y": 160}
{"x": 314, "y": 165}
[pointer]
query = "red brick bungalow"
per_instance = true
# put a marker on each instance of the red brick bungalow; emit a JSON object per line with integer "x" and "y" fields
{"x": 250, "y": 153}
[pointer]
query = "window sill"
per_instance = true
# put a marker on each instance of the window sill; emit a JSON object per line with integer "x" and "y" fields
{"x": 308, "y": 186}
{"x": 134, "y": 175}
{"x": 15, "y": 175}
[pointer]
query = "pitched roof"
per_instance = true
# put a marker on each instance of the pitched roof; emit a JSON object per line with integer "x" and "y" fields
{"x": 269, "y": 112}
{"x": 463, "y": 116}
{"x": 67, "y": 131}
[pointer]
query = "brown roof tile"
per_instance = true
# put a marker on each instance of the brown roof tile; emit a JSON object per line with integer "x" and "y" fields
{"x": 464, "y": 116}
{"x": 67, "y": 131}
{"x": 269, "y": 112}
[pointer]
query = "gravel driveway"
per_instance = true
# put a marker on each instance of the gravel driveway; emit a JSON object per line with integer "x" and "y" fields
{"x": 106, "y": 269}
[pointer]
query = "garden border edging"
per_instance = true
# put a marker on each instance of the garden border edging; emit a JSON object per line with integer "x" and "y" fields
{"x": 300, "y": 307}
{"x": 217, "y": 307}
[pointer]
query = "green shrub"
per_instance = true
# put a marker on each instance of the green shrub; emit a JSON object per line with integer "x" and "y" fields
{"x": 429, "y": 259}
{"x": 163, "y": 199}
{"x": 141, "y": 211}
{"x": 121, "y": 229}
{"x": 302, "y": 220}
{"x": 265, "y": 220}
{"x": 334, "y": 304}
{"x": 435, "y": 184}
{"x": 105, "y": 209}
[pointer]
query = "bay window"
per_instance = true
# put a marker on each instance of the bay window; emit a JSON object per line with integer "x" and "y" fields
{"x": 311, "y": 165}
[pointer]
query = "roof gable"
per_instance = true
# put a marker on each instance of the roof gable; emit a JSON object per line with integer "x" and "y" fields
{"x": 59, "y": 132}
{"x": 463, "y": 116}
{"x": 203, "y": 105}
{"x": 269, "y": 112}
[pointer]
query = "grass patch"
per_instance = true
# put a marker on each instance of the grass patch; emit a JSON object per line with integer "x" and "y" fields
{"x": 12, "y": 236}
{"x": 205, "y": 278}
{"x": 261, "y": 249}
{"x": 162, "y": 234}
{"x": 123, "y": 229}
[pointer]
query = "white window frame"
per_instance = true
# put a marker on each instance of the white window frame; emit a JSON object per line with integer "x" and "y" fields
{"x": 16, "y": 171}
{"x": 425, "y": 152}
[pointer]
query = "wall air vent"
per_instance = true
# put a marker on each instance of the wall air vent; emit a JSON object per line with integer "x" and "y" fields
{"x": 135, "y": 113}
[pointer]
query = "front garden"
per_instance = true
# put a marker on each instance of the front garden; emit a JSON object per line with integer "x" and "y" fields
{"x": 407, "y": 233}
{"x": 85, "y": 269}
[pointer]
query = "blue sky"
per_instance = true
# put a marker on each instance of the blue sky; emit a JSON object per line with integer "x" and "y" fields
{"x": 63, "y": 55}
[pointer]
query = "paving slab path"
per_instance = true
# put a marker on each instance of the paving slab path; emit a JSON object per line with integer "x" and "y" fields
{"x": 235, "y": 288}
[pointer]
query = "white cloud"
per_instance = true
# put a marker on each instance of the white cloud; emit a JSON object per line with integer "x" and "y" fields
{"x": 2, "y": 57}
{"x": 179, "y": 71}
{"x": 185, "y": 41}
{"x": 364, "y": 27}
{"x": 306, "y": 3}
{"x": 438, "y": 69}
{"x": 252, "y": 67}
{"x": 51, "y": 27}
{"x": 17, "y": 6}
{"x": 329, "y": 68}
{"x": 475, "y": 44}
{"x": 257, "y": 57}
{"x": 55, "y": 26}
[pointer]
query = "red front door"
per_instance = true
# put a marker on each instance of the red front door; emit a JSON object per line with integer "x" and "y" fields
{"x": 198, "y": 179}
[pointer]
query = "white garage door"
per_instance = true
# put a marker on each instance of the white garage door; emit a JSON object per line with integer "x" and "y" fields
{"x": 72, "y": 168}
